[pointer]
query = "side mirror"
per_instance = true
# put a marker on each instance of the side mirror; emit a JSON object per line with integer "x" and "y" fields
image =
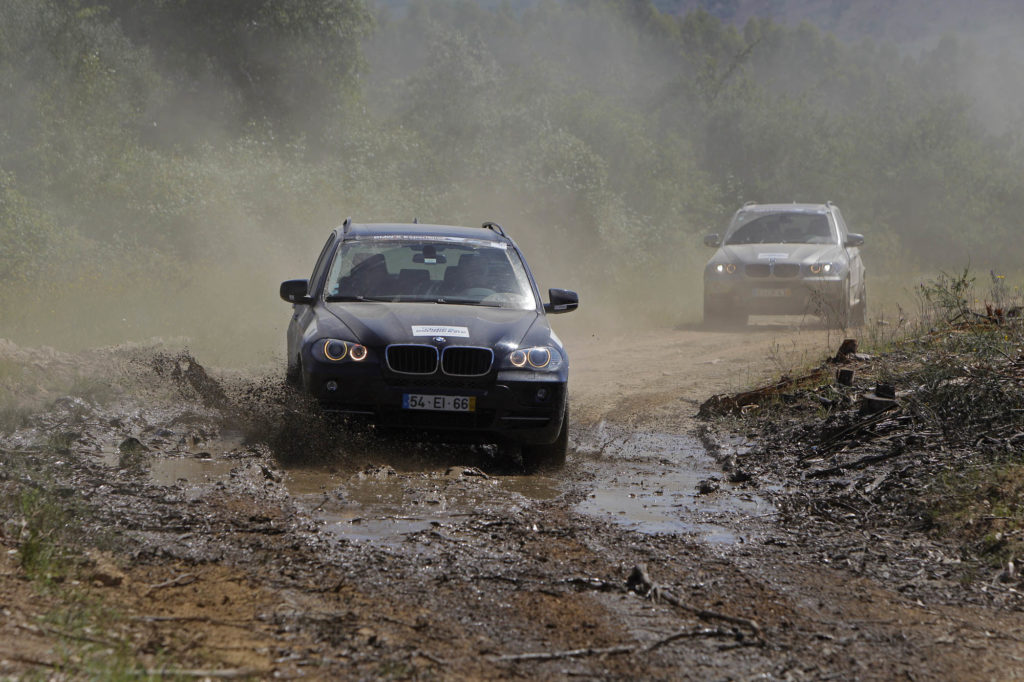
{"x": 562, "y": 301}
{"x": 713, "y": 240}
{"x": 854, "y": 239}
{"x": 295, "y": 291}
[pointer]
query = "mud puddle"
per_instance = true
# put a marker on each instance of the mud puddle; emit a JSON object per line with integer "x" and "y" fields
{"x": 192, "y": 466}
{"x": 654, "y": 483}
{"x": 663, "y": 483}
{"x": 383, "y": 505}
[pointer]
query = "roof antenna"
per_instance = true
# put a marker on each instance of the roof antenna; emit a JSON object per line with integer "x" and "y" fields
{"x": 415, "y": 221}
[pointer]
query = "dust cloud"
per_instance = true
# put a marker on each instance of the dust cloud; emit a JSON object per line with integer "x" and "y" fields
{"x": 605, "y": 137}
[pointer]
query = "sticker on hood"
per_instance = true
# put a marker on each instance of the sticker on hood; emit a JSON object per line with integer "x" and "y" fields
{"x": 440, "y": 330}
{"x": 772, "y": 255}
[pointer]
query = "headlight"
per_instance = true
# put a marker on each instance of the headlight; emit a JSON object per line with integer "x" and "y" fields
{"x": 725, "y": 268}
{"x": 336, "y": 350}
{"x": 823, "y": 268}
{"x": 538, "y": 358}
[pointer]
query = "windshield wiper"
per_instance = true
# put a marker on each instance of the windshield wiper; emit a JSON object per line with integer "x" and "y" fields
{"x": 349, "y": 298}
{"x": 468, "y": 301}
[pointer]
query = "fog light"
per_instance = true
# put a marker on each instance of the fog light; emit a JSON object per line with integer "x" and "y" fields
{"x": 542, "y": 395}
{"x": 331, "y": 386}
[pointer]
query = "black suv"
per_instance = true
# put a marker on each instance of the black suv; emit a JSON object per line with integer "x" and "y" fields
{"x": 435, "y": 328}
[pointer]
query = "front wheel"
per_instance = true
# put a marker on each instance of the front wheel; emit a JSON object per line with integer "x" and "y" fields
{"x": 549, "y": 454}
{"x": 859, "y": 314}
{"x": 836, "y": 314}
{"x": 293, "y": 375}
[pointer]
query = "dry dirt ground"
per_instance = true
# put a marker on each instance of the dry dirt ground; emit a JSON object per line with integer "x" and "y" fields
{"x": 236, "y": 535}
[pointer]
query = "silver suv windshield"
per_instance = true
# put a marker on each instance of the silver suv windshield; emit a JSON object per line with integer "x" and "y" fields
{"x": 431, "y": 270}
{"x": 750, "y": 227}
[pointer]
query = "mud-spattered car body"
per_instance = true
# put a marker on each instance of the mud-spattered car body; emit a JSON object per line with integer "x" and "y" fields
{"x": 786, "y": 259}
{"x": 434, "y": 328}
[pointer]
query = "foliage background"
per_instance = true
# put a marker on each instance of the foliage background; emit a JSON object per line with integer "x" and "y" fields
{"x": 163, "y": 165}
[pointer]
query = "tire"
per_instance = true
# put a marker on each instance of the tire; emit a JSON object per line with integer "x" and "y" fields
{"x": 837, "y": 314}
{"x": 859, "y": 314}
{"x": 550, "y": 454}
{"x": 293, "y": 375}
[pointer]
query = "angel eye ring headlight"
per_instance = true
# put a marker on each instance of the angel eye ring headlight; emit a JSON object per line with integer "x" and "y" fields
{"x": 821, "y": 268}
{"x": 537, "y": 357}
{"x": 336, "y": 350}
{"x": 727, "y": 268}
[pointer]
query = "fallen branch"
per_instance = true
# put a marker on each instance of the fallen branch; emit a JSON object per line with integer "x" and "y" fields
{"x": 687, "y": 634}
{"x": 640, "y": 582}
{"x": 863, "y": 461}
{"x": 718, "y": 404}
{"x": 433, "y": 659}
{"x": 66, "y": 635}
{"x": 180, "y": 581}
{"x": 572, "y": 653}
{"x": 850, "y": 430}
{"x": 224, "y": 674}
{"x": 21, "y": 658}
{"x": 194, "y": 619}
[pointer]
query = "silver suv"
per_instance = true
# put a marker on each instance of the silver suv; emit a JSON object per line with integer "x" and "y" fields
{"x": 786, "y": 259}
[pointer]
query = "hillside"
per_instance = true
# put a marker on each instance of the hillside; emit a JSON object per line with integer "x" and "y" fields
{"x": 910, "y": 22}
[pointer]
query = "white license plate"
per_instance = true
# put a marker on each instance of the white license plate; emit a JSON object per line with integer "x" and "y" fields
{"x": 771, "y": 293}
{"x": 440, "y": 403}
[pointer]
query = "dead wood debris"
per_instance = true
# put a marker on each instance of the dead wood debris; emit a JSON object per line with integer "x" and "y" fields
{"x": 572, "y": 653}
{"x": 639, "y": 582}
{"x": 871, "y": 449}
{"x": 734, "y": 404}
{"x": 178, "y": 581}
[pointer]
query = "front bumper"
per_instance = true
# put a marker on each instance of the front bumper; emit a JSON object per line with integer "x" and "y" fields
{"x": 775, "y": 296}
{"x": 520, "y": 406}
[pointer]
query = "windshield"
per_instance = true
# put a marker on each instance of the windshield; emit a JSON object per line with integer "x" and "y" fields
{"x": 431, "y": 270}
{"x": 781, "y": 228}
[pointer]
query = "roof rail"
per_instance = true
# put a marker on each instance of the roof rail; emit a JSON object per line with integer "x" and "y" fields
{"x": 346, "y": 225}
{"x": 494, "y": 226}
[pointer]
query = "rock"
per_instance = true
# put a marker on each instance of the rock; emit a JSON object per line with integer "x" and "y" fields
{"x": 887, "y": 391}
{"x": 739, "y": 476}
{"x": 104, "y": 571}
{"x": 881, "y": 399}
{"x": 378, "y": 473}
{"x": 639, "y": 580}
{"x": 847, "y": 348}
{"x": 131, "y": 446}
{"x": 459, "y": 472}
{"x": 708, "y": 486}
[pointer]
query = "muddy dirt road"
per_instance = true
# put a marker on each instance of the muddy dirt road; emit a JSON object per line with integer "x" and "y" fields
{"x": 239, "y": 537}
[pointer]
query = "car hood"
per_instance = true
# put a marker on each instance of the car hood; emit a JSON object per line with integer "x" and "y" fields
{"x": 789, "y": 253}
{"x": 380, "y": 324}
